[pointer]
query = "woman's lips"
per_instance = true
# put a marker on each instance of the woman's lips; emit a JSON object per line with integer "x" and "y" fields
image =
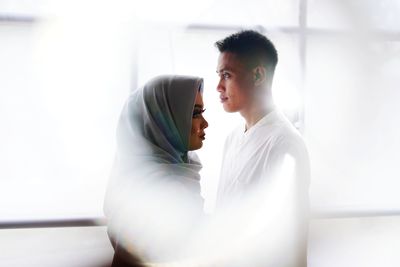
{"x": 203, "y": 136}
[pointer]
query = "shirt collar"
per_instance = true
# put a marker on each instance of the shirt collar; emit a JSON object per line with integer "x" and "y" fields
{"x": 267, "y": 119}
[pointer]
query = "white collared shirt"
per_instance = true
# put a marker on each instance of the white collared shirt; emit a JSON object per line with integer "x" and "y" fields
{"x": 251, "y": 157}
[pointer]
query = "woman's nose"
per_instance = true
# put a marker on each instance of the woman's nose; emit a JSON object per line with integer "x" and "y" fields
{"x": 205, "y": 123}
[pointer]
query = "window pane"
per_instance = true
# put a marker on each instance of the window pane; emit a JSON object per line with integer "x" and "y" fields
{"x": 358, "y": 14}
{"x": 58, "y": 111}
{"x": 57, "y": 246}
{"x": 273, "y": 13}
{"x": 367, "y": 242}
{"x": 351, "y": 124}
{"x": 29, "y": 8}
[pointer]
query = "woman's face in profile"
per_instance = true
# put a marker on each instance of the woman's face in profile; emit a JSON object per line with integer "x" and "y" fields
{"x": 199, "y": 123}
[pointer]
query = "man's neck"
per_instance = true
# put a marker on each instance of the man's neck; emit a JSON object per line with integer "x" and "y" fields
{"x": 256, "y": 112}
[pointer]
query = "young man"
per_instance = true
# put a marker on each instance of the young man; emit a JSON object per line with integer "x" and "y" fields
{"x": 265, "y": 161}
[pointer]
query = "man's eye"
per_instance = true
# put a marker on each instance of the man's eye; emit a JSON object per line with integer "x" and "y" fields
{"x": 225, "y": 75}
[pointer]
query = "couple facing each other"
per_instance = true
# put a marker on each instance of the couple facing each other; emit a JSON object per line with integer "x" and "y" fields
{"x": 153, "y": 203}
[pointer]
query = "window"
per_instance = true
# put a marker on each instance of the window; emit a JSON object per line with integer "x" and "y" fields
{"x": 67, "y": 76}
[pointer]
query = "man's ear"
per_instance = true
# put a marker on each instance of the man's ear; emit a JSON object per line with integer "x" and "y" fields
{"x": 259, "y": 75}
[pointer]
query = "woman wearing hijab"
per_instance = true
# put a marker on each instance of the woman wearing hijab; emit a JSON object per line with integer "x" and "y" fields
{"x": 153, "y": 200}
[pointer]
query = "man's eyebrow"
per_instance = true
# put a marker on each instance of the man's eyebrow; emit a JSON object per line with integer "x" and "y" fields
{"x": 222, "y": 70}
{"x": 198, "y": 106}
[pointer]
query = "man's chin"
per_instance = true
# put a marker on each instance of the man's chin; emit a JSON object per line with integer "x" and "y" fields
{"x": 228, "y": 109}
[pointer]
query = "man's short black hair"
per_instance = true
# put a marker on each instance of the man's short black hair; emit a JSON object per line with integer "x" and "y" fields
{"x": 251, "y": 47}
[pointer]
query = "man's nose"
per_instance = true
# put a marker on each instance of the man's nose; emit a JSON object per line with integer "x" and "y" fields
{"x": 220, "y": 86}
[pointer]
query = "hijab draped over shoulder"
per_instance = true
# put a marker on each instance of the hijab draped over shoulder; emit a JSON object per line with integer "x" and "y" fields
{"x": 153, "y": 197}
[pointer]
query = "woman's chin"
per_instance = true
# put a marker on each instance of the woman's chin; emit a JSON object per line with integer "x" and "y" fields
{"x": 196, "y": 146}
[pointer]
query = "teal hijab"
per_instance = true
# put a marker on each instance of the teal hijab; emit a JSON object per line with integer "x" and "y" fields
{"x": 156, "y": 120}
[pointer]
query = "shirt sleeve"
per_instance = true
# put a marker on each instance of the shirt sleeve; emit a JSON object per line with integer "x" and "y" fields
{"x": 283, "y": 196}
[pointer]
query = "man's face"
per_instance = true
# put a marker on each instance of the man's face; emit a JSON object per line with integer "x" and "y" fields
{"x": 235, "y": 83}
